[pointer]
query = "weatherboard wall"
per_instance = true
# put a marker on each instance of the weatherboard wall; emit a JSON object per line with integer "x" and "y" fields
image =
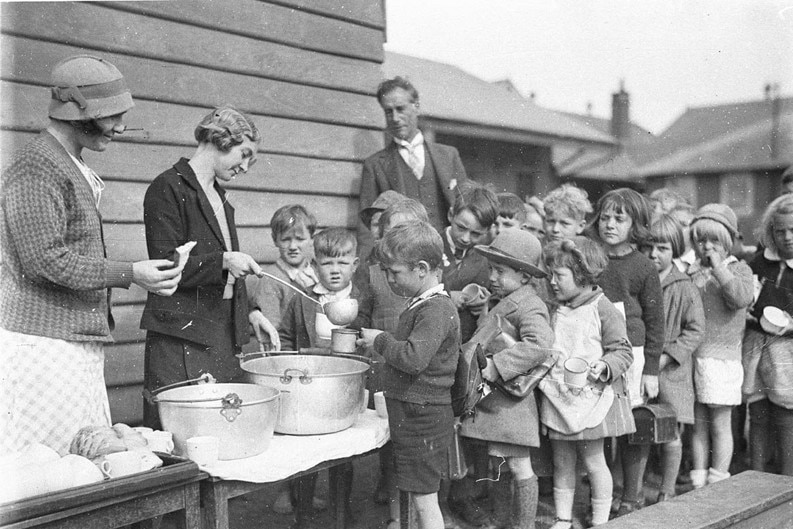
{"x": 306, "y": 72}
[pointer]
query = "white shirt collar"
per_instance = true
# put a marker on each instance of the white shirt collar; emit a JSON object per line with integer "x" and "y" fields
{"x": 439, "y": 289}
{"x": 417, "y": 141}
{"x": 772, "y": 255}
{"x": 326, "y": 296}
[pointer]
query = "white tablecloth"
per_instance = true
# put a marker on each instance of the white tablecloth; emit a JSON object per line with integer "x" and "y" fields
{"x": 289, "y": 454}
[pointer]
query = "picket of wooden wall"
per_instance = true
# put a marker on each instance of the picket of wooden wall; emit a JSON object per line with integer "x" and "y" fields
{"x": 306, "y": 71}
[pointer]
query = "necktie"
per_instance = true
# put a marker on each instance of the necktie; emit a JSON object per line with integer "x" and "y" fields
{"x": 413, "y": 161}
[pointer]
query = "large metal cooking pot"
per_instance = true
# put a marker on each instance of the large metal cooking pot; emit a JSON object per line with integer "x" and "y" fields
{"x": 241, "y": 416}
{"x": 319, "y": 393}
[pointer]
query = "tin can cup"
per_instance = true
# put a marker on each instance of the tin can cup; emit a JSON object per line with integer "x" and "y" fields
{"x": 474, "y": 293}
{"x": 576, "y": 371}
{"x": 343, "y": 340}
{"x": 774, "y": 320}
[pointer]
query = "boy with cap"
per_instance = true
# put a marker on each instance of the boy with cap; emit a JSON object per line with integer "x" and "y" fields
{"x": 509, "y": 425}
{"x": 54, "y": 307}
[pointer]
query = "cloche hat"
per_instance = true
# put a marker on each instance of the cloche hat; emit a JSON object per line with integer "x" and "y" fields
{"x": 519, "y": 249}
{"x": 85, "y": 87}
{"x": 720, "y": 213}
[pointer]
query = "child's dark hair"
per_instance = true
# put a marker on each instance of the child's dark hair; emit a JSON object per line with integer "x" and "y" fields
{"x": 479, "y": 200}
{"x": 335, "y": 242}
{"x": 633, "y": 204}
{"x": 667, "y": 229}
{"x": 406, "y": 207}
{"x": 292, "y": 216}
{"x": 409, "y": 244}
{"x": 510, "y": 206}
{"x": 584, "y": 257}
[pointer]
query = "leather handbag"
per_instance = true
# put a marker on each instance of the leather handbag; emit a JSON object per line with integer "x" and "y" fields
{"x": 523, "y": 384}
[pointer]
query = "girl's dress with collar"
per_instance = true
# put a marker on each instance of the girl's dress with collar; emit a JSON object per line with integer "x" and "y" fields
{"x": 718, "y": 373}
{"x": 767, "y": 358}
{"x": 499, "y": 418}
{"x": 685, "y": 326}
{"x": 590, "y": 327}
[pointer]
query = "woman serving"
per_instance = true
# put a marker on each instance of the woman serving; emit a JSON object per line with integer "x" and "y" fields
{"x": 205, "y": 323}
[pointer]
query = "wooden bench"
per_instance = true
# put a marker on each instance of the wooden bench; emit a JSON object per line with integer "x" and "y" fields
{"x": 749, "y": 500}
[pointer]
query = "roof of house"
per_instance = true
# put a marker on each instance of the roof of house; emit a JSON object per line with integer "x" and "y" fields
{"x": 450, "y": 94}
{"x": 736, "y": 136}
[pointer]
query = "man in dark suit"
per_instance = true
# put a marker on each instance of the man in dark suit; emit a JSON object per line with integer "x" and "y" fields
{"x": 423, "y": 170}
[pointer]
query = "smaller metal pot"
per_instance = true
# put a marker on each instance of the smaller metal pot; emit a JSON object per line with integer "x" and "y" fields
{"x": 241, "y": 416}
{"x": 343, "y": 340}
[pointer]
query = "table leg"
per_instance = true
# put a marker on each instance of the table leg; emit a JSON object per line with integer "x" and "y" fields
{"x": 340, "y": 488}
{"x": 216, "y": 504}
{"x": 192, "y": 507}
{"x": 304, "y": 487}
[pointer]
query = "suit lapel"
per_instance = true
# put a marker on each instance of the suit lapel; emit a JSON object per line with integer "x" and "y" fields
{"x": 443, "y": 170}
{"x": 391, "y": 168}
{"x": 186, "y": 172}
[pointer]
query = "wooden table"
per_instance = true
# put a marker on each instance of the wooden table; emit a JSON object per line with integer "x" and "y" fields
{"x": 216, "y": 492}
{"x": 334, "y": 452}
{"x": 135, "y": 499}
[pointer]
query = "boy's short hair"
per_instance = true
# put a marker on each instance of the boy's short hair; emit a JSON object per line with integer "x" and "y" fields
{"x": 407, "y": 206}
{"x": 633, "y": 204}
{"x": 569, "y": 201}
{"x": 711, "y": 229}
{"x": 479, "y": 200}
{"x": 585, "y": 258}
{"x": 667, "y": 199}
{"x": 667, "y": 229}
{"x": 335, "y": 242}
{"x": 292, "y": 216}
{"x": 534, "y": 203}
{"x": 510, "y": 206}
{"x": 409, "y": 244}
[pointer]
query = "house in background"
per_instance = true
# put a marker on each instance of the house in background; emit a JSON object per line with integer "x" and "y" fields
{"x": 600, "y": 170}
{"x": 504, "y": 139}
{"x": 733, "y": 153}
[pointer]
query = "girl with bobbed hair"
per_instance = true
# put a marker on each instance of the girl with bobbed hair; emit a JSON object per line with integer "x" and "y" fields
{"x": 768, "y": 371}
{"x": 205, "y": 323}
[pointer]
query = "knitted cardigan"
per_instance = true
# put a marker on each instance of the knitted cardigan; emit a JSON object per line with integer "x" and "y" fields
{"x": 55, "y": 273}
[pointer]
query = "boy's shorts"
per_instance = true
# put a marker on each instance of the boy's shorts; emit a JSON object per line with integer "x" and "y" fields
{"x": 422, "y": 435}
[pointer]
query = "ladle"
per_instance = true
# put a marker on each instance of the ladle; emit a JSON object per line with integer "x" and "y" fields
{"x": 290, "y": 286}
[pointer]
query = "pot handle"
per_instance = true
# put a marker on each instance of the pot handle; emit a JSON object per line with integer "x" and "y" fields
{"x": 151, "y": 396}
{"x": 287, "y": 378}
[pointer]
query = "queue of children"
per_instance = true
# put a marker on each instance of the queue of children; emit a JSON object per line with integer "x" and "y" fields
{"x": 612, "y": 288}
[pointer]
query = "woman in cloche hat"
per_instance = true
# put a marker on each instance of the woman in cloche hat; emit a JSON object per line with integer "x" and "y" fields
{"x": 54, "y": 303}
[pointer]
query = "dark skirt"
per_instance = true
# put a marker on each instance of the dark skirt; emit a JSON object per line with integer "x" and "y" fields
{"x": 422, "y": 435}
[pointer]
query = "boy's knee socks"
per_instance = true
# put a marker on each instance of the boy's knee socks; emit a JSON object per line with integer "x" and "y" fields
{"x": 524, "y": 503}
{"x": 501, "y": 496}
{"x": 699, "y": 478}
{"x": 714, "y": 476}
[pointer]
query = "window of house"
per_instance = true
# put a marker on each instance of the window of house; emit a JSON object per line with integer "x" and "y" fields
{"x": 737, "y": 191}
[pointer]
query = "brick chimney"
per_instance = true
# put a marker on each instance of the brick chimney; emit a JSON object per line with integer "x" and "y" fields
{"x": 620, "y": 114}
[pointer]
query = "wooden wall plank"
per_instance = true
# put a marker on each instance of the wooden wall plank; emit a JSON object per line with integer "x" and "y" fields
{"x": 359, "y": 11}
{"x": 24, "y": 107}
{"x": 273, "y": 172}
{"x": 26, "y": 60}
{"x": 127, "y": 242}
{"x": 123, "y": 202}
{"x": 124, "y": 364}
{"x": 208, "y": 47}
{"x": 270, "y": 22}
{"x": 126, "y": 404}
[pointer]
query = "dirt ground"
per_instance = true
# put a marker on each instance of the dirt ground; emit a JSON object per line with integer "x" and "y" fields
{"x": 253, "y": 511}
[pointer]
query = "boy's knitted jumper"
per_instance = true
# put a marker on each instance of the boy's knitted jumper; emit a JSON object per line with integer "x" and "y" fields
{"x": 421, "y": 356}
